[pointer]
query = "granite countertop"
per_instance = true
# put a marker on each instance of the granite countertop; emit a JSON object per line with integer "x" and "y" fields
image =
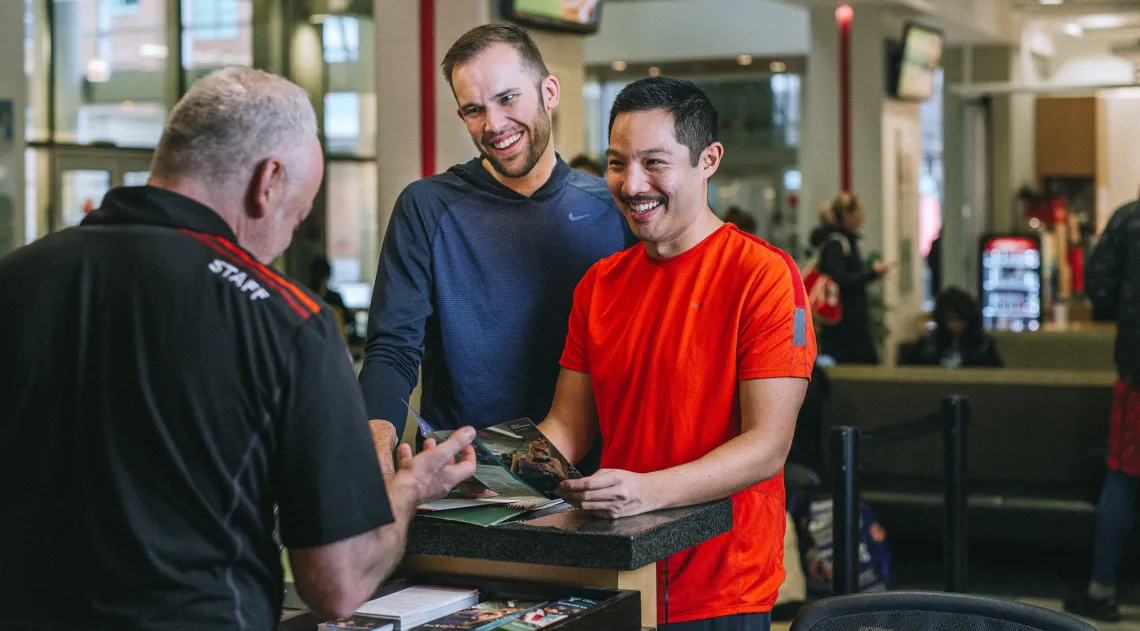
{"x": 576, "y": 539}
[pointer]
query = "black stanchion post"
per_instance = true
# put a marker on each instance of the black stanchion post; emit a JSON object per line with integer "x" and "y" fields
{"x": 845, "y": 510}
{"x": 956, "y": 413}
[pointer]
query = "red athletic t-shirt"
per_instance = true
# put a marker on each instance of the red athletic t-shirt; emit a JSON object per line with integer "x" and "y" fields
{"x": 665, "y": 342}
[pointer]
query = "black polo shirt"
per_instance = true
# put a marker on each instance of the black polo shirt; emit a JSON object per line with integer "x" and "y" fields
{"x": 160, "y": 390}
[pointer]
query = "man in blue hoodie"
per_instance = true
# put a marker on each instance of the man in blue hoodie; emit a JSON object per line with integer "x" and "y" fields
{"x": 479, "y": 264}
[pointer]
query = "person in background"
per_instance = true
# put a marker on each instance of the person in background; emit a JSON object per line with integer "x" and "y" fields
{"x": 737, "y": 217}
{"x": 477, "y": 273}
{"x": 586, "y": 164}
{"x": 699, "y": 343}
{"x": 1113, "y": 286}
{"x": 934, "y": 262}
{"x": 144, "y": 451}
{"x": 837, "y": 240}
{"x": 957, "y": 340}
{"x": 320, "y": 273}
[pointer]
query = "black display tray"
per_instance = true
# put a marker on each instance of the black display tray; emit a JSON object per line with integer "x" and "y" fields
{"x": 617, "y": 609}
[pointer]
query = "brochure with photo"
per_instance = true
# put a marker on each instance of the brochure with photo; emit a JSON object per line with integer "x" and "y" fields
{"x": 514, "y": 461}
{"x": 491, "y": 614}
{"x": 548, "y": 614}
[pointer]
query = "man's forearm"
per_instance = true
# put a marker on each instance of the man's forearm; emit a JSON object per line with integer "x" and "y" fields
{"x": 571, "y": 442}
{"x": 742, "y": 462}
{"x": 388, "y": 545}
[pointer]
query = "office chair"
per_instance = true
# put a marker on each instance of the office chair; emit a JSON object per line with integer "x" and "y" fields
{"x": 922, "y": 611}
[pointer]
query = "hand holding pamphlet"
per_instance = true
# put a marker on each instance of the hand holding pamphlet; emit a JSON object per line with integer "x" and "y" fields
{"x": 515, "y": 462}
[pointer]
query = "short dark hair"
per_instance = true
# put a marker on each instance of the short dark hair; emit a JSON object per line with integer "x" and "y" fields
{"x": 480, "y": 38}
{"x": 694, "y": 117}
{"x": 956, "y": 301}
{"x": 584, "y": 162}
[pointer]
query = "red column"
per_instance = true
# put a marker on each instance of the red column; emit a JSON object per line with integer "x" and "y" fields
{"x": 843, "y": 15}
{"x": 427, "y": 87}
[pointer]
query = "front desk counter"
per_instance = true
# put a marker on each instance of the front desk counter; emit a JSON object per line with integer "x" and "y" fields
{"x": 607, "y": 557}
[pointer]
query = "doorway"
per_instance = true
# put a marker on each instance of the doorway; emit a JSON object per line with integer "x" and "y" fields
{"x": 81, "y": 176}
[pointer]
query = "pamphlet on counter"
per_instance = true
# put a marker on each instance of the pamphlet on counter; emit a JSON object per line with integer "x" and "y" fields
{"x": 437, "y": 608}
{"x": 516, "y": 466}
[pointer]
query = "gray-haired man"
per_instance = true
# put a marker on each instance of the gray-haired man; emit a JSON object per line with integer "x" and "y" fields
{"x": 162, "y": 389}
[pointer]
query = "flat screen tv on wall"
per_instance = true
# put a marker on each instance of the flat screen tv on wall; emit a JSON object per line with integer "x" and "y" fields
{"x": 920, "y": 56}
{"x": 574, "y": 16}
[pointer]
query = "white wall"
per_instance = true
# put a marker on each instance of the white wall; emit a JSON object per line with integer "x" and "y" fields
{"x": 901, "y": 160}
{"x": 1120, "y": 179}
{"x": 1085, "y": 60}
{"x": 661, "y": 30}
{"x": 563, "y": 54}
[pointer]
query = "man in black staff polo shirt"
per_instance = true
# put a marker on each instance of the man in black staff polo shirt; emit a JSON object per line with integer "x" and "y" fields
{"x": 161, "y": 389}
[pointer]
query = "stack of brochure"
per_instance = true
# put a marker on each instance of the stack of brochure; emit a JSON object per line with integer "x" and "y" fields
{"x": 517, "y": 468}
{"x": 416, "y": 605}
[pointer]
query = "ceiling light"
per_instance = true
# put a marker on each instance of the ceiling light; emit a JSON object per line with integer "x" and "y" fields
{"x": 1072, "y": 29}
{"x": 98, "y": 71}
{"x": 844, "y": 14}
{"x": 654, "y": 71}
{"x": 618, "y": 66}
{"x": 744, "y": 60}
{"x": 777, "y": 66}
{"x": 1103, "y": 21}
{"x": 1051, "y": 2}
{"x": 153, "y": 50}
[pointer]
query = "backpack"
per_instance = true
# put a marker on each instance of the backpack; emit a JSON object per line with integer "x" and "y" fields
{"x": 817, "y": 550}
{"x": 822, "y": 290}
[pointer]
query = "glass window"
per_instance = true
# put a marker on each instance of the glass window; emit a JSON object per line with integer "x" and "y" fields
{"x": 31, "y": 207}
{"x": 350, "y": 102}
{"x": 215, "y": 34}
{"x": 82, "y": 191}
{"x": 109, "y": 71}
{"x": 341, "y": 37}
{"x": 30, "y": 66}
{"x": 352, "y": 232}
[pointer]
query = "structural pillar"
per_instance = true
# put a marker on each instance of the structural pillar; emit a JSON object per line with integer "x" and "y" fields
{"x": 13, "y": 100}
{"x": 886, "y": 154}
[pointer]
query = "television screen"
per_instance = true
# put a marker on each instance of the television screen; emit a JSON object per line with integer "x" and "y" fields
{"x": 921, "y": 54}
{"x": 578, "y": 16}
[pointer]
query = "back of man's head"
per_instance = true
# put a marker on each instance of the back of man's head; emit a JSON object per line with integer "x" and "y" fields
{"x": 228, "y": 123}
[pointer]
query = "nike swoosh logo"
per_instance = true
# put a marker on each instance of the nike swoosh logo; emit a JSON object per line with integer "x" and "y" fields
{"x": 574, "y": 217}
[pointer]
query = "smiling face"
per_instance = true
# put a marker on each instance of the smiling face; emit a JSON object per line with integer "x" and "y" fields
{"x": 506, "y": 107}
{"x": 652, "y": 178}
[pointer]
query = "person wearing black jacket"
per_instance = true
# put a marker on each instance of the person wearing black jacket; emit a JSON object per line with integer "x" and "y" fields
{"x": 957, "y": 340}
{"x": 849, "y": 341}
{"x": 1113, "y": 286}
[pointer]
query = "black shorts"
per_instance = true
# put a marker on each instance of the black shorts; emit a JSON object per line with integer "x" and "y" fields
{"x": 739, "y": 622}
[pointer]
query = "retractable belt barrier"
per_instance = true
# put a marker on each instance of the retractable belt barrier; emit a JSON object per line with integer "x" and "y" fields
{"x": 852, "y": 448}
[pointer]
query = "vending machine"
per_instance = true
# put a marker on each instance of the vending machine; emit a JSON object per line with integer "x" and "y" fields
{"x": 1011, "y": 282}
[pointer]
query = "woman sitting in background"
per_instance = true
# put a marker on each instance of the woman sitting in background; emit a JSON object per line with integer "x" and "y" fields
{"x": 957, "y": 339}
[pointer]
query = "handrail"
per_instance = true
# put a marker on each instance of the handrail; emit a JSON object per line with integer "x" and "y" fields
{"x": 852, "y": 448}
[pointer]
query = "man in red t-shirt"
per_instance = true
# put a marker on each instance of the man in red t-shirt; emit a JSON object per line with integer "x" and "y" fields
{"x": 691, "y": 354}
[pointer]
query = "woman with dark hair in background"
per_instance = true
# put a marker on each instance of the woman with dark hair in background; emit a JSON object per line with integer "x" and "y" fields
{"x": 849, "y": 341}
{"x": 957, "y": 339}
